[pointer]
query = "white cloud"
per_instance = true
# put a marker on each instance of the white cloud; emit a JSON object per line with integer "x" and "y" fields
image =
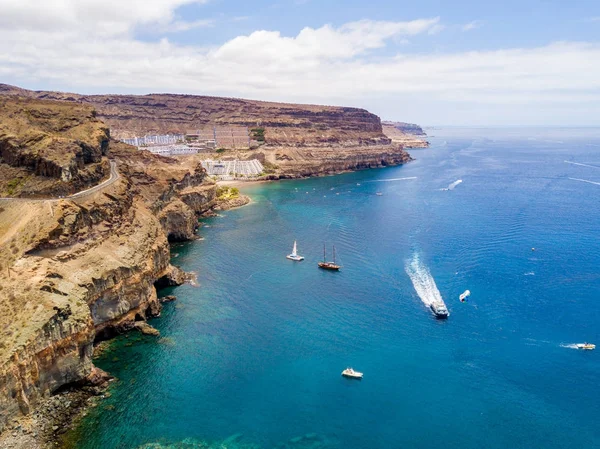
{"x": 105, "y": 17}
{"x": 324, "y": 43}
{"x": 326, "y": 65}
{"x": 472, "y": 25}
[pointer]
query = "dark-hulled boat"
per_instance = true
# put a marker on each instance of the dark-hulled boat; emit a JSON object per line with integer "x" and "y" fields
{"x": 329, "y": 265}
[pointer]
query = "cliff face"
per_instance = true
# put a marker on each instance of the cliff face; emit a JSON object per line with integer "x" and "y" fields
{"x": 297, "y": 138}
{"x": 406, "y": 128}
{"x": 286, "y": 124}
{"x": 77, "y": 271}
{"x": 60, "y": 142}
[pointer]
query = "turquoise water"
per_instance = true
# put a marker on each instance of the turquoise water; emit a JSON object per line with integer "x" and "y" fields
{"x": 252, "y": 357}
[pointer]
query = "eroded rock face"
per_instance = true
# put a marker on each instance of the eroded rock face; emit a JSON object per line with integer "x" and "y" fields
{"x": 179, "y": 221}
{"x": 58, "y": 353}
{"x": 286, "y": 124}
{"x": 308, "y": 140}
{"x": 57, "y": 145}
{"x": 86, "y": 270}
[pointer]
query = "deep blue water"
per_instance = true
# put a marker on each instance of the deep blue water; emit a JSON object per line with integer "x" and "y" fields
{"x": 254, "y": 354}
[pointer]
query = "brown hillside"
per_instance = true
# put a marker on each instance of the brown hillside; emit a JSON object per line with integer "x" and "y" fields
{"x": 285, "y": 124}
{"x": 49, "y": 147}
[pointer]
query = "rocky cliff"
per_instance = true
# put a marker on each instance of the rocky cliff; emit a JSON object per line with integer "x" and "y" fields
{"x": 301, "y": 140}
{"x": 405, "y": 128}
{"x": 76, "y": 271}
{"x": 50, "y": 147}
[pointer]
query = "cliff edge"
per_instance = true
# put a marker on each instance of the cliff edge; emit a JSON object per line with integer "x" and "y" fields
{"x": 81, "y": 269}
{"x": 295, "y": 140}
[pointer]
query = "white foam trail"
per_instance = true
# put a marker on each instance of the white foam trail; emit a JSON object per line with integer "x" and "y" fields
{"x": 583, "y": 165}
{"x": 530, "y": 273}
{"x": 570, "y": 346}
{"x": 585, "y": 180}
{"x": 422, "y": 281}
{"x": 452, "y": 185}
{"x": 391, "y": 179}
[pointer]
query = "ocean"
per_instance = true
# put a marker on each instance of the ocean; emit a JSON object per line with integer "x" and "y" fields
{"x": 252, "y": 357}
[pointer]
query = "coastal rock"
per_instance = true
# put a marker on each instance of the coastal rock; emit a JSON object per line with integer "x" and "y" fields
{"x": 232, "y": 203}
{"x": 178, "y": 221}
{"x": 295, "y": 140}
{"x": 146, "y": 329}
{"x": 50, "y": 147}
{"x": 75, "y": 272}
{"x": 168, "y": 298}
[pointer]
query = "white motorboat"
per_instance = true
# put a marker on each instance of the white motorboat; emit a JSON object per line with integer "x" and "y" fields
{"x": 349, "y": 372}
{"x": 586, "y": 346}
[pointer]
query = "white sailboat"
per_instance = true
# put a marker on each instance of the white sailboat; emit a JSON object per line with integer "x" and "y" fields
{"x": 294, "y": 255}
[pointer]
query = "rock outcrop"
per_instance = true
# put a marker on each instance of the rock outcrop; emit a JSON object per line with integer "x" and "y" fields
{"x": 50, "y": 147}
{"x": 405, "y": 128}
{"x": 75, "y": 272}
{"x": 300, "y": 140}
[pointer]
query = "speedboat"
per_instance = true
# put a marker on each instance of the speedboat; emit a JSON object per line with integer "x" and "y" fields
{"x": 294, "y": 256}
{"x": 439, "y": 309}
{"x": 379, "y": 194}
{"x": 586, "y": 346}
{"x": 463, "y": 297}
{"x": 349, "y": 372}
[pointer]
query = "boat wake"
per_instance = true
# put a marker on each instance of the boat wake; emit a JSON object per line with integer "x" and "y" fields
{"x": 453, "y": 185}
{"x": 580, "y": 164}
{"x": 422, "y": 281}
{"x": 570, "y": 346}
{"x": 585, "y": 180}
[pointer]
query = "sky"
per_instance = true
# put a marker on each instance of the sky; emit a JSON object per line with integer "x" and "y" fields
{"x": 435, "y": 63}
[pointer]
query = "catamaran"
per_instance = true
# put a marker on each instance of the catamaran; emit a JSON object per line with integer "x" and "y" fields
{"x": 294, "y": 256}
{"x": 329, "y": 265}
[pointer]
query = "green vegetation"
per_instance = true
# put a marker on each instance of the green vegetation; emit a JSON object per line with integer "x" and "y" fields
{"x": 258, "y": 134}
{"x": 13, "y": 185}
{"x": 227, "y": 193}
{"x": 220, "y": 150}
{"x": 269, "y": 168}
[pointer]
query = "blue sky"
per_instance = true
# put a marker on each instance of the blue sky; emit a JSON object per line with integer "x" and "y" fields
{"x": 479, "y": 63}
{"x": 507, "y": 23}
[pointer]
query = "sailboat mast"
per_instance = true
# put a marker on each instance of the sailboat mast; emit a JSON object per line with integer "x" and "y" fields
{"x": 334, "y": 254}
{"x": 324, "y": 257}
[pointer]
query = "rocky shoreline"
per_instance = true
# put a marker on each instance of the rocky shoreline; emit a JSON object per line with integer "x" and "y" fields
{"x": 79, "y": 271}
{"x": 55, "y": 415}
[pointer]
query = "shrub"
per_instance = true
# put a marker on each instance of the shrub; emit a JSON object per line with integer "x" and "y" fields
{"x": 258, "y": 134}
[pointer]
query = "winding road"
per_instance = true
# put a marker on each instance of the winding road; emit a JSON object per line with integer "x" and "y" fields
{"x": 114, "y": 176}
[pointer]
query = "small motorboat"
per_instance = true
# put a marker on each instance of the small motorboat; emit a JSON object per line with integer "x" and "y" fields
{"x": 463, "y": 297}
{"x": 294, "y": 256}
{"x": 586, "y": 346}
{"x": 379, "y": 194}
{"x": 349, "y": 372}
